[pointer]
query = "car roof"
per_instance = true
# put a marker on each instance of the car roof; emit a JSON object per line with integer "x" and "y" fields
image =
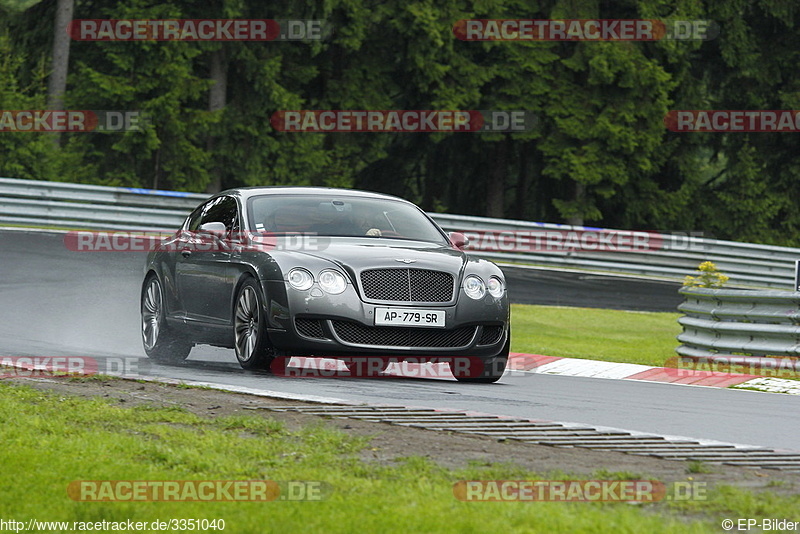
{"x": 247, "y": 192}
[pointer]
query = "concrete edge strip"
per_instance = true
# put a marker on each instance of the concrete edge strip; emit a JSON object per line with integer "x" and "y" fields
{"x": 242, "y": 389}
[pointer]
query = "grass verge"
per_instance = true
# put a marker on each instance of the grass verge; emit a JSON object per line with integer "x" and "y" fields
{"x": 610, "y": 335}
{"x": 51, "y": 440}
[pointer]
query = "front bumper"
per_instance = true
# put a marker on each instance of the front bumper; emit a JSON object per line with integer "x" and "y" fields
{"x": 344, "y": 324}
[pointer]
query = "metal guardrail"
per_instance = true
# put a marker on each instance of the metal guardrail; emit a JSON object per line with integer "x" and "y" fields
{"x": 29, "y": 202}
{"x": 673, "y": 256}
{"x": 721, "y": 324}
{"x": 665, "y": 255}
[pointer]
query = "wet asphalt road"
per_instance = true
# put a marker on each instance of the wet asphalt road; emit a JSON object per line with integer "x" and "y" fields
{"x": 54, "y": 302}
{"x": 589, "y": 290}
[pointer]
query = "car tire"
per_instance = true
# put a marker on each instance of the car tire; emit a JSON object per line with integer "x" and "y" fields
{"x": 160, "y": 341}
{"x": 493, "y": 368}
{"x": 253, "y": 347}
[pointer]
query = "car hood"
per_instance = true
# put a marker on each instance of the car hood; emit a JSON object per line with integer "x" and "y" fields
{"x": 356, "y": 256}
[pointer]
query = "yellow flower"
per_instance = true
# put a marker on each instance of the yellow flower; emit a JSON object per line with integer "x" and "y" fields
{"x": 709, "y": 276}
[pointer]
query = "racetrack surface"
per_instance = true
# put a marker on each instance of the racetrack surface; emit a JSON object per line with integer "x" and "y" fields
{"x": 590, "y": 290}
{"x": 54, "y": 302}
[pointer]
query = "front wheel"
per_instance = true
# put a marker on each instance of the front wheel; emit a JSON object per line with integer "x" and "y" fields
{"x": 160, "y": 341}
{"x": 253, "y": 347}
{"x": 492, "y": 371}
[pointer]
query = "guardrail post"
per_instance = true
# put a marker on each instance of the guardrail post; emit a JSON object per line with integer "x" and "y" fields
{"x": 797, "y": 275}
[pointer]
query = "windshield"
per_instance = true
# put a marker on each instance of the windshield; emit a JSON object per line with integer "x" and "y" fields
{"x": 344, "y": 216}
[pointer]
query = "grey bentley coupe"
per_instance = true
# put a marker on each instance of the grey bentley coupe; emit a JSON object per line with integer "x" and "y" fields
{"x": 274, "y": 272}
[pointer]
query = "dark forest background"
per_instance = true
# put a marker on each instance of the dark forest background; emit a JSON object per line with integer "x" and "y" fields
{"x": 600, "y": 153}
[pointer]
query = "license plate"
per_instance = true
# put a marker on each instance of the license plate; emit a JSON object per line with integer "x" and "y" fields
{"x": 409, "y": 317}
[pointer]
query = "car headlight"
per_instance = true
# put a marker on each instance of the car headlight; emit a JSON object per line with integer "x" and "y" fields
{"x": 495, "y": 287}
{"x": 474, "y": 287}
{"x": 300, "y": 279}
{"x": 332, "y": 282}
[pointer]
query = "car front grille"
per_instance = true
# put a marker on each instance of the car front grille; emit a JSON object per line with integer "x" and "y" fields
{"x": 491, "y": 335}
{"x": 393, "y": 336}
{"x": 407, "y": 285}
{"x": 309, "y": 328}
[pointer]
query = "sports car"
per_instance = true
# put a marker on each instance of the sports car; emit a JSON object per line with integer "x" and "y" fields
{"x": 273, "y": 272}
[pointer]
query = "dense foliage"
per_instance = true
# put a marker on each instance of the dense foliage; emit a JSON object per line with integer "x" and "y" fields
{"x": 600, "y": 153}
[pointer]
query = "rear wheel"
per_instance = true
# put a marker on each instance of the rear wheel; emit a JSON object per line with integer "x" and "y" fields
{"x": 159, "y": 340}
{"x": 253, "y": 347}
{"x": 493, "y": 368}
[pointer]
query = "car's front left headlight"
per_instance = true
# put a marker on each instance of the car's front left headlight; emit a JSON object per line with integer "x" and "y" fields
{"x": 300, "y": 279}
{"x": 332, "y": 282}
{"x": 495, "y": 286}
{"x": 474, "y": 287}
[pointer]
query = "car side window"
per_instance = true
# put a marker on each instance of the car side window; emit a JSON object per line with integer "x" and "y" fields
{"x": 193, "y": 220}
{"x": 224, "y": 210}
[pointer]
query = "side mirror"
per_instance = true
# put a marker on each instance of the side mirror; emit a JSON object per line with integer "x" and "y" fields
{"x": 458, "y": 239}
{"x": 214, "y": 228}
